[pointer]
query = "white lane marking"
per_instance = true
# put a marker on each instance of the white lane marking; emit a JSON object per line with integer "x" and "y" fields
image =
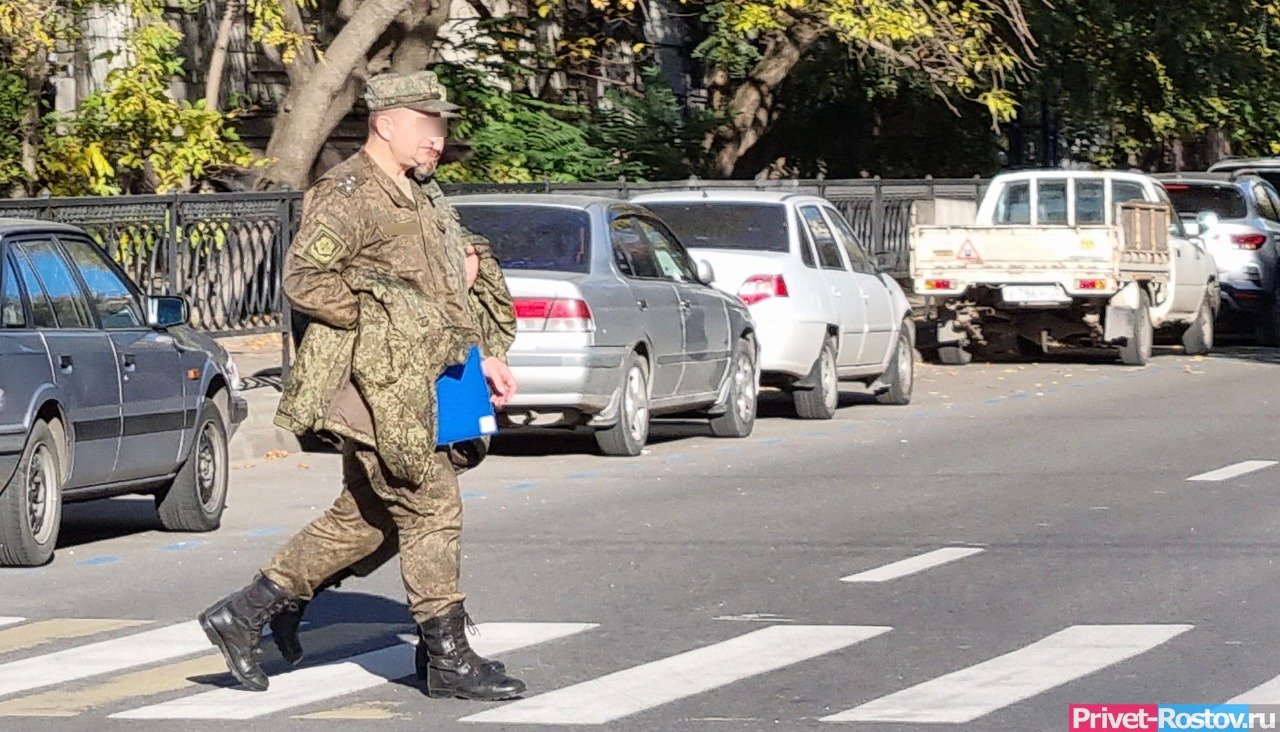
{"x": 11, "y": 621}
{"x": 1268, "y": 693}
{"x": 636, "y": 689}
{"x": 1233, "y": 471}
{"x": 102, "y": 657}
{"x": 967, "y": 694}
{"x": 912, "y": 565}
{"x": 357, "y": 673}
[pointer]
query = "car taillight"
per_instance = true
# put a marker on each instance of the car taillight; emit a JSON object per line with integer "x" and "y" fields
{"x": 1249, "y": 241}
{"x": 553, "y": 315}
{"x": 939, "y": 285}
{"x": 758, "y": 288}
{"x": 1091, "y": 284}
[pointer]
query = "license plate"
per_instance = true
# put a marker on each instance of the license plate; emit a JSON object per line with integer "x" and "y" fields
{"x": 1033, "y": 293}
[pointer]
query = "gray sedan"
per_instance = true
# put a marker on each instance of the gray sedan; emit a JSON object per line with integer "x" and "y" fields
{"x": 103, "y": 392}
{"x": 616, "y": 323}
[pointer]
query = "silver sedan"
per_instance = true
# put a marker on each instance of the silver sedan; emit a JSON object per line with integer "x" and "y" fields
{"x": 615, "y": 322}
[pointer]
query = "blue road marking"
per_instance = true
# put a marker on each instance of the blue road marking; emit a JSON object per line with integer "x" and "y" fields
{"x": 106, "y": 559}
{"x": 525, "y": 486}
{"x": 265, "y": 531}
{"x": 472, "y": 495}
{"x": 183, "y": 545}
{"x": 581, "y": 476}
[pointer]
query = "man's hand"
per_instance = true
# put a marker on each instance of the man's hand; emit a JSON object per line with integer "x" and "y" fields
{"x": 473, "y": 266}
{"x": 501, "y": 381}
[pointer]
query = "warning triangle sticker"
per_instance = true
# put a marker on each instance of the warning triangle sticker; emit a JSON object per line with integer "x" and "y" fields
{"x": 968, "y": 253}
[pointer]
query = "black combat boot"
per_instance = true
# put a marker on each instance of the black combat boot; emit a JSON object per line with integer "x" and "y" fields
{"x": 234, "y": 625}
{"x": 284, "y": 631}
{"x": 454, "y": 670}
{"x": 422, "y": 660}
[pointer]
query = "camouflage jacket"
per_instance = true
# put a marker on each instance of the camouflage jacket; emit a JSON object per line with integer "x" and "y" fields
{"x": 357, "y": 220}
{"x": 488, "y": 300}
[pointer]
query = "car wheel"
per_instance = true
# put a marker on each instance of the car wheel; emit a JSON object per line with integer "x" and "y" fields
{"x": 629, "y": 436}
{"x": 1137, "y": 351}
{"x": 821, "y": 401}
{"x": 1267, "y": 326}
{"x": 1198, "y": 339}
{"x": 954, "y": 356}
{"x": 194, "y": 501}
{"x": 31, "y": 505}
{"x": 739, "y": 417}
{"x": 900, "y": 378}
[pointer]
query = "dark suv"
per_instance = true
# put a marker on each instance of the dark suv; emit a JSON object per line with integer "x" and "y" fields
{"x": 103, "y": 392}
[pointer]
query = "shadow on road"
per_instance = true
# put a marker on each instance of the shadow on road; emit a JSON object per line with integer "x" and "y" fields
{"x": 94, "y": 521}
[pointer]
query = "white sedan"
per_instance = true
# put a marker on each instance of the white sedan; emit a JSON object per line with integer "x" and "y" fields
{"x": 823, "y": 310}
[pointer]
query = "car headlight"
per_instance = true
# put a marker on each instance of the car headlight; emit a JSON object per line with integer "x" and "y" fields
{"x": 233, "y": 374}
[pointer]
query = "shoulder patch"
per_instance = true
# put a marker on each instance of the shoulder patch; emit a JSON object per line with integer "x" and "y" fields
{"x": 323, "y": 246}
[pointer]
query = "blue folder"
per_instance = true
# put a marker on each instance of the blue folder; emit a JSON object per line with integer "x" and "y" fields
{"x": 462, "y": 403}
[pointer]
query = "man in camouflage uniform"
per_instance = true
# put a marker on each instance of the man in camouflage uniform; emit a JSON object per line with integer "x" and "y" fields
{"x": 490, "y": 305}
{"x": 370, "y": 248}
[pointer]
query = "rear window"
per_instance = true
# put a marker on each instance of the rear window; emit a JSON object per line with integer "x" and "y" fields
{"x": 1225, "y": 201}
{"x": 533, "y": 237}
{"x": 715, "y": 225}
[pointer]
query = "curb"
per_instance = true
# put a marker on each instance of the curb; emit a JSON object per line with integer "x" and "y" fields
{"x": 258, "y": 434}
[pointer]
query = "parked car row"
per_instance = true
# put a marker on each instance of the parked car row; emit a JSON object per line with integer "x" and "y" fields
{"x": 689, "y": 303}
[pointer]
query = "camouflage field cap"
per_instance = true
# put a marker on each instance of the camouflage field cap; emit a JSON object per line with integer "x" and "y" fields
{"x": 419, "y": 90}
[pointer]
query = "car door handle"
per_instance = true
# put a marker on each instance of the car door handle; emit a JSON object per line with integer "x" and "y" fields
{"x": 686, "y": 306}
{"x": 130, "y": 362}
{"x": 642, "y": 304}
{"x": 66, "y": 364}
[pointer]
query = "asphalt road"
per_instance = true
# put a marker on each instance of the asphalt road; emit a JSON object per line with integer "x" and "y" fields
{"x": 700, "y": 585}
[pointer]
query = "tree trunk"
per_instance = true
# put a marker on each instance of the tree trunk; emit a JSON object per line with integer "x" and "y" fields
{"x": 312, "y": 110}
{"x": 218, "y": 61}
{"x": 751, "y": 101}
{"x": 37, "y": 75}
{"x": 416, "y": 50}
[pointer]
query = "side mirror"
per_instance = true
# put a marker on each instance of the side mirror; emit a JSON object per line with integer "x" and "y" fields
{"x": 706, "y": 274}
{"x": 166, "y": 312}
{"x": 1206, "y": 220}
{"x": 884, "y": 261}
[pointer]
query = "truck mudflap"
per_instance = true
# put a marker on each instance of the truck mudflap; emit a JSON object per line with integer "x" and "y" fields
{"x": 1120, "y": 324}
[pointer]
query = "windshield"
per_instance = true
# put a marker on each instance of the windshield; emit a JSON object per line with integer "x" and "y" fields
{"x": 533, "y": 237}
{"x": 725, "y": 225}
{"x": 1225, "y": 201}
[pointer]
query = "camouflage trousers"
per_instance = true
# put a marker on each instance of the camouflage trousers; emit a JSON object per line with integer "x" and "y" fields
{"x": 463, "y": 457}
{"x": 377, "y": 512}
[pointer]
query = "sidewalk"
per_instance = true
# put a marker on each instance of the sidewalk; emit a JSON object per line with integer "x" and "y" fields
{"x": 258, "y": 359}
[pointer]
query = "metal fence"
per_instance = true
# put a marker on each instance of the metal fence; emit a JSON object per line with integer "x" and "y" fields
{"x": 224, "y": 252}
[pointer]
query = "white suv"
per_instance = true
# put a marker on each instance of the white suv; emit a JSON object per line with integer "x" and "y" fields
{"x": 823, "y": 311}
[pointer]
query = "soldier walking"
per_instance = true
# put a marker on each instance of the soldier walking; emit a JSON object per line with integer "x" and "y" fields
{"x": 387, "y": 297}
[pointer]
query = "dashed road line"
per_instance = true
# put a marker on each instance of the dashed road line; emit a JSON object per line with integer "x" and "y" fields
{"x": 910, "y": 566}
{"x": 1233, "y": 471}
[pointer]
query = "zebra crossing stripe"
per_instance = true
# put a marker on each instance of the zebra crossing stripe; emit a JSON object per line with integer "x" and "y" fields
{"x": 10, "y": 620}
{"x": 1268, "y": 693}
{"x": 970, "y": 693}
{"x": 642, "y": 687}
{"x": 910, "y": 566}
{"x": 104, "y": 657}
{"x": 357, "y": 673}
{"x": 1233, "y": 471}
{"x": 48, "y": 631}
{"x": 70, "y": 702}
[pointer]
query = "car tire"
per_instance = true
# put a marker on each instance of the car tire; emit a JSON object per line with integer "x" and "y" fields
{"x": 1267, "y": 325}
{"x": 195, "y": 500}
{"x": 900, "y": 378}
{"x": 629, "y": 436}
{"x": 954, "y": 356}
{"x": 1137, "y": 350}
{"x": 821, "y": 401}
{"x": 31, "y": 504}
{"x": 1198, "y": 339}
{"x": 739, "y": 417}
